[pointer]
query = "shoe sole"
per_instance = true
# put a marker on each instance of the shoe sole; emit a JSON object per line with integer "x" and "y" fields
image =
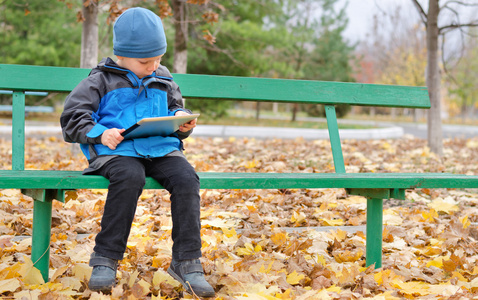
{"x": 100, "y": 289}
{"x": 186, "y": 286}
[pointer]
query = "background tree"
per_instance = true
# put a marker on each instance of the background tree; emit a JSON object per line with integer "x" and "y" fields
{"x": 29, "y": 35}
{"x": 246, "y": 43}
{"x": 331, "y": 57}
{"x": 89, "y": 34}
{"x": 448, "y": 23}
{"x": 396, "y": 48}
{"x": 463, "y": 85}
{"x": 28, "y": 29}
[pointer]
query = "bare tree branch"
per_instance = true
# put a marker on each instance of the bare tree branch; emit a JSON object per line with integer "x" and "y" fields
{"x": 421, "y": 12}
{"x": 461, "y": 3}
{"x": 454, "y": 26}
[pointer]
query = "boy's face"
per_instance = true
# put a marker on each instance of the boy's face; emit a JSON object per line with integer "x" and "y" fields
{"x": 140, "y": 66}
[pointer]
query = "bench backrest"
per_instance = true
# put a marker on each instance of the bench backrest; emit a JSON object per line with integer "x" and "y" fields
{"x": 22, "y": 78}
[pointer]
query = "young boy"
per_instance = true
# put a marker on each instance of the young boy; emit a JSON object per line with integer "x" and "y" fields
{"x": 113, "y": 97}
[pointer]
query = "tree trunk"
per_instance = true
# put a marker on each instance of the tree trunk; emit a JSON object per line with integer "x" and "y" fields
{"x": 295, "y": 109}
{"x": 180, "y": 60}
{"x": 89, "y": 35}
{"x": 435, "y": 134}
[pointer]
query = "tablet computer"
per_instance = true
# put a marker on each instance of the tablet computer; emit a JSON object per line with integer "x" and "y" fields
{"x": 162, "y": 126}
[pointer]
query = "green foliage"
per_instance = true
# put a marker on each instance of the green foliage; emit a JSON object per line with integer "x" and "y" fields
{"x": 39, "y": 33}
{"x": 464, "y": 85}
{"x": 260, "y": 38}
{"x": 331, "y": 59}
{"x": 209, "y": 109}
{"x": 245, "y": 46}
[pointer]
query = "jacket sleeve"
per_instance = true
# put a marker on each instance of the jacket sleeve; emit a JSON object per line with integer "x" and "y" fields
{"x": 77, "y": 117}
{"x": 175, "y": 102}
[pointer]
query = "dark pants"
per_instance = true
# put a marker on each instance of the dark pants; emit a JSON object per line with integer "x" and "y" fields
{"x": 127, "y": 179}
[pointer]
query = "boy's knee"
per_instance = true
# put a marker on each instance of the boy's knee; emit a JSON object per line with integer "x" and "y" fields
{"x": 186, "y": 183}
{"x": 134, "y": 178}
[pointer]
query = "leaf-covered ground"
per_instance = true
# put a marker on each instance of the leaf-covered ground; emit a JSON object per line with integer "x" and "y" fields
{"x": 250, "y": 250}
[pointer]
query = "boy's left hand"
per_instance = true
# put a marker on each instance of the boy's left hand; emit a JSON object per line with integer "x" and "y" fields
{"x": 187, "y": 126}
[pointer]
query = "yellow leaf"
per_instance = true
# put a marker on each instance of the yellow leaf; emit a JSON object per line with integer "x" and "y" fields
{"x": 229, "y": 232}
{"x": 10, "y": 272}
{"x": 348, "y": 256}
{"x": 264, "y": 270}
{"x": 279, "y": 238}
{"x": 298, "y": 218}
{"x": 9, "y": 285}
{"x": 437, "y": 262}
{"x": 132, "y": 278}
{"x": 99, "y": 191}
{"x": 161, "y": 276}
{"x": 247, "y": 250}
{"x": 334, "y": 289}
{"x": 28, "y": 294}
{"x": 386, "y": 296}
{"x": 458, "y": 276}
{"x": 475, "y": 270}
{"x": 474, "y": 284}
{"x": 141, "y": 289}
{"x": 82, "y": 271}
{"x": 251, "y": 164}
{"x": 59, "y": 272}
{"x": 294, "y": 278}
{"x": 441, "y": 206}
{"x": 71, "y": 282}
{"x": 207, "y": 213}
{"x": 339, "y": 235}
{"x": 336, "y": 222}
{"x": 465, "y": 221}
{"x": 412, "y": 288}
{"x": 117, "y": 292}
{"x": 430, "y": 216}
{"x": 147, "y": 194}
{"x": 30, "y": 274}
{"x": 285, "y": 295}
{"x": 385, "y": 276}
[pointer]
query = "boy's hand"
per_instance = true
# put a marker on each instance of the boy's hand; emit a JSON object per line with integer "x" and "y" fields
{"x": 112, "y": 137}
{"x": 187, "y": 126}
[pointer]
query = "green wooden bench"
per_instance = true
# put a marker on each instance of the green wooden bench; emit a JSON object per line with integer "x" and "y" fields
{"x": 45, "y": 186}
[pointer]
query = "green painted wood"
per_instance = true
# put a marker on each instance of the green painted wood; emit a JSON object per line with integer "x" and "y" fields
{"x": 41, "y": 234}
{"x": 59, "y": 79}
{"x": 398, "y": 194}
{"x": 334, "y": 138}
{"x": 40, "y": 78}
{"x": 18, "y": 131}
{"x": 38, "y": 179}
{"x": 370, "y": 193}
{"x": 373, "y": 251}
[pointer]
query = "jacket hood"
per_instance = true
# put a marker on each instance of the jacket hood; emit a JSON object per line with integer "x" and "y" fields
{"x": 109, "y": 65}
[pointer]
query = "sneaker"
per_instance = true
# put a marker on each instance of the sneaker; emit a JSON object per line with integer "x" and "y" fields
{"x": 103, "y": 276}
{"x": 191, "y": 275}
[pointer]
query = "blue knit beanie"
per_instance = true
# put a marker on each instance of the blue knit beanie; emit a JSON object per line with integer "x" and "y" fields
{"x": 138, "y": 33}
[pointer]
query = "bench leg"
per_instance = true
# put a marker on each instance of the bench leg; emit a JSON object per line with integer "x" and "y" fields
{"x": 41, "y": 236}
{"x": 374, "y": 232}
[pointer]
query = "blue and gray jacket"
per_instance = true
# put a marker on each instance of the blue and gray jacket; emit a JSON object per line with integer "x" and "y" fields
{"x": 114, "y": 97}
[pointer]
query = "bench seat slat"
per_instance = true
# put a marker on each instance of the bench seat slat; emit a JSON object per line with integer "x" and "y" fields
{"x": 38, "y": 179}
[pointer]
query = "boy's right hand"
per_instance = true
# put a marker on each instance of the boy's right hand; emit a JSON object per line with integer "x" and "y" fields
{"x": 112, "y": 137}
